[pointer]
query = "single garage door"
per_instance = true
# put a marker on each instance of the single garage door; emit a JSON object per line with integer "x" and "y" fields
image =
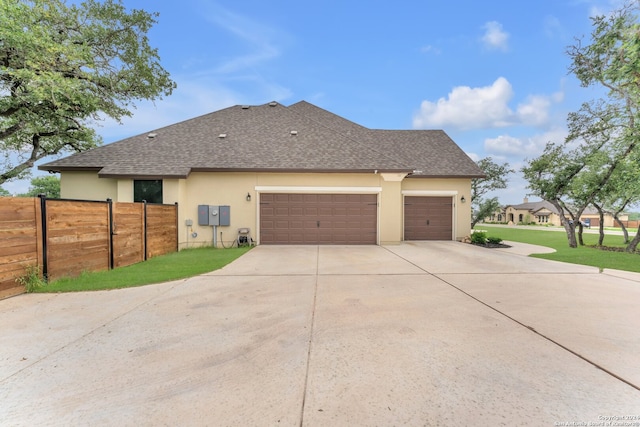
{"x": 318, "y": 219}
{"x": 428, "y": 218}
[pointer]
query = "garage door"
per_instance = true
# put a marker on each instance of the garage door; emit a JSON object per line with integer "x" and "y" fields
{"x": 428, "y": 218}
{"x": 318, "y": 219}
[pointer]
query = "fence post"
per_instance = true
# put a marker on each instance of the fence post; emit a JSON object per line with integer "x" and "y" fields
{"x": 111, "y": 233}
{"x": 145, "y": 229}
{"x": 177, "y": 228}
{"x": 43, "y": 219}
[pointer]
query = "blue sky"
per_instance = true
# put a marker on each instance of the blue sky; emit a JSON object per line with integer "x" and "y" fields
{"x": 494, "y": 75}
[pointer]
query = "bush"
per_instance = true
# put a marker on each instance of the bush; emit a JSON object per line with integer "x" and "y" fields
{"x": 479, "y": 238}
{"x": 31, "y": 280}
{"x": 494, "y": 240}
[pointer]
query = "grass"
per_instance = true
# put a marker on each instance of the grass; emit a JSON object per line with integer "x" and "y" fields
{"x": 174, "y": 266}
{"x": 585, "y": 255}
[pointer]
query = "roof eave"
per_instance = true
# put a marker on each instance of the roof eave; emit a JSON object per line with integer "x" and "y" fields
{"x": 470, "y": 176}
{"x": 58, "y": 169}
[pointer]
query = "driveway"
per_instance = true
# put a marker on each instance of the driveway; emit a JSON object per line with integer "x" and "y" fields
{"x": 426, "y": 333}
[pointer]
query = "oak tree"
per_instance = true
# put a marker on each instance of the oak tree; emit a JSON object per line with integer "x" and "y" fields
{"x": 63, "y": 67}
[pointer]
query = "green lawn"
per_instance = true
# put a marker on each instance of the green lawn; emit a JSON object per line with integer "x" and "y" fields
{"x": 585, "y": 255}
{"x": 174, "y": 266}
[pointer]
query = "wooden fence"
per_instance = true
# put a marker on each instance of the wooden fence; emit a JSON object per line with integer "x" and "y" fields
{"x": 63, "y": 238}
{"x": 629, "y": 224}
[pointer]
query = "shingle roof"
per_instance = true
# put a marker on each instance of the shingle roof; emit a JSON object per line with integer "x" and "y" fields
{"x": 272, "y": 137}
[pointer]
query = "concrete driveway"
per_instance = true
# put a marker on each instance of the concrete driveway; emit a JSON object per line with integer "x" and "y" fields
{"x": 428, "y": 333}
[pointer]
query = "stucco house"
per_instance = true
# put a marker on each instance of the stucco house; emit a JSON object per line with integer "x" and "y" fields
{"x": 543, "y": 212}
{"x": 294, "y": 174}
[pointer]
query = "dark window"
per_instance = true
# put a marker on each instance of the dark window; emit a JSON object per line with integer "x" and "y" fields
{"x": 149, "y": 190}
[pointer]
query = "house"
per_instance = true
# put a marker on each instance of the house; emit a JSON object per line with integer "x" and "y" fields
{"x": 543, "y": 212}
{"x": 293, "y": 174}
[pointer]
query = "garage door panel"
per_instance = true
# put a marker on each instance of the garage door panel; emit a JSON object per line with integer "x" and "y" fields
{"x": 318, "y": 218}
{"x": 428, "y": 218}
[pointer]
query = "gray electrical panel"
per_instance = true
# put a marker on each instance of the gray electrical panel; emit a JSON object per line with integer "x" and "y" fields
{"x": 214, "y": 215}
{"x": 225, "y": 215}
{"x": 203, "y": 214}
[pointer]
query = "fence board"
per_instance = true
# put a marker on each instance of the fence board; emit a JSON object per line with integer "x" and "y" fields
{"x": 162, "y": 230}
{"x": 128, "y": 239}
{"x": 78, "y": 236}
{"x": 21, "y": 241}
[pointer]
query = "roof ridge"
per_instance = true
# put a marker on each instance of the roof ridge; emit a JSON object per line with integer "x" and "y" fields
{"x": 364, "y": 129}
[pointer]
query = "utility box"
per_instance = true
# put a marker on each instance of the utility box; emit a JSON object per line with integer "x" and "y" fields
{"x": 225, "y": 215}
{"x": 203, "y": 214}
{"x": 214, "y": 215}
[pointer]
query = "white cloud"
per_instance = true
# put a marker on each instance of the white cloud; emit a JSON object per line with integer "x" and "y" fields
{"x": 484, "y": 107}
{"x": 529, "y": 147}
{"x": 468, "y": 108}
{"x": 495, "y": 38}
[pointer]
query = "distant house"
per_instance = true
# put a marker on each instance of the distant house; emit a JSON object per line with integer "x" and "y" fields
{"x": 293, "y": 174}
{"x": 543, "y": 212}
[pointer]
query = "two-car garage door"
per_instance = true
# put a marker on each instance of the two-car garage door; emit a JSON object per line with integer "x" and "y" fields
{"x": 318, "y": 218}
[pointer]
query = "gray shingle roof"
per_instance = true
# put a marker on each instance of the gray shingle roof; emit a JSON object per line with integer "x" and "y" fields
{"x": 272, "y": 137}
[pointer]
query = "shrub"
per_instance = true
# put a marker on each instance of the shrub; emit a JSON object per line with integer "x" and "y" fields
{"x": 494, "y": 240}
{"x": 479, "y": 238}
{"x": 31, "y": 280}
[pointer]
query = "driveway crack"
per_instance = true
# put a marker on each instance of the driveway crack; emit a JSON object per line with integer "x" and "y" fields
{"x": 311, "y": 330}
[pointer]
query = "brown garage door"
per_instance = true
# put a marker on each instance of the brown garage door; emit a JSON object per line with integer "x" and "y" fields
{"x": 318, "y": 219}
{"x": 428, "y": 218}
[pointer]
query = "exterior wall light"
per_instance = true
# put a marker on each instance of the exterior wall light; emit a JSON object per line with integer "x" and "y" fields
{"x": 248, "y": 197}
{"x": 462, "y": 199}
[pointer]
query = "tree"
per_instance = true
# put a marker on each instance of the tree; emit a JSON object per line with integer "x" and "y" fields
{"x": 64, "y": 67}
{"x": 602, "y": 134}
{"x": 622, "y": 191}
{"x": 4, "y": 193}
{"x": 47, "y": 185}
{"x": 495, "y": 179}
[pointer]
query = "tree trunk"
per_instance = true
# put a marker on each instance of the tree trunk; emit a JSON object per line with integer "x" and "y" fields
{"x": 601, "y": 225}
{"x": 580, "y": 230}
{"x": 570, "y": 228}
{"x": 633, "y": 245}
{"x": 624, "y": 229}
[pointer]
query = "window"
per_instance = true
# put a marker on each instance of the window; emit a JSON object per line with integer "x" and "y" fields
{"x": 148, "y": 190}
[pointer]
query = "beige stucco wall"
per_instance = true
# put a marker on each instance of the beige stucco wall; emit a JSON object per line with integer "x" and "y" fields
{"x": 87, "y": 186}
{"x": 231, "y": 188}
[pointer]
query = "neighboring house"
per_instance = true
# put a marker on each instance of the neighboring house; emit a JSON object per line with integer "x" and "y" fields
{"x": 543, "y": 212}
{"x": 292, "y": 175}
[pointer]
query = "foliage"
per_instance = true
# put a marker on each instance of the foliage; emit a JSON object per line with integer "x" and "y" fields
{"x": 479, "y": 238}
{"x": 31, "y": 280}
{"x": 494, "y": 240}
{"x": 48, "y": 185}
{"x": 64, "y": 67}
{"x": 602, "y": 133}
{"x": 4, "y": 193}
{"x": 484, "y": 209}
{"x": 174, "y": 266}
{"x": 495, "y": 179}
